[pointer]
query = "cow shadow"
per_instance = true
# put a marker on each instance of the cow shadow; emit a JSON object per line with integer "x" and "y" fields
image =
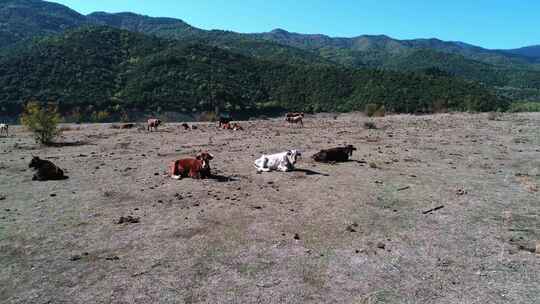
{"x": 310, "y": 172}
{"x": 221, "y": 178}
{"x": 70, "y": 144}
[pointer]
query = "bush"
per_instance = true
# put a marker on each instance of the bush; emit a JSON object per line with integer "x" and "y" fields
{"x": 371, "y": 108}
{"x": 100, "y": 116}
{"x": 207, "y": 116}
{"x": 374, "y": 110}
{"x": 42, "y": 121}
{"x": 381, "y": 112}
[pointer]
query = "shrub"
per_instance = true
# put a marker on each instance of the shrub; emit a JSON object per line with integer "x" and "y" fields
{"x": 371, "y": 108}
{"x": 381, "y": 112}
{"x": 42, "y": 121}
{"x": 207, "y": 116}
{"x": 524, "y": 107}
{"x": 374, "y": 110}
{"x": 100, "y": 116}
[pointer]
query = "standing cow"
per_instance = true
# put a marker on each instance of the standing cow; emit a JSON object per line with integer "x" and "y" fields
{"x": 295, "y": 118}
{"x": 4, "y": 129}
{"x": 153, "y": 124}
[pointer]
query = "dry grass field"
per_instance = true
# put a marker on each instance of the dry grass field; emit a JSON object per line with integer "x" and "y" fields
{"x": 356, "y": 232}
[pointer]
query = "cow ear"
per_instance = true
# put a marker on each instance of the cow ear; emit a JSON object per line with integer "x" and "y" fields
{"x": 198, "y": 156}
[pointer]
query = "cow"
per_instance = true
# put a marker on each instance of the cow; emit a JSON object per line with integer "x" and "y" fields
{"x": 197, "y": 168}
{"x": 295, "y": 118}
{"x": 282, "y": 161}
{"x": 223, "y": 121}
{"x": 232, "y": 126}
{"x": 46, "y": 170}
{"x": 188, "y": 127}
{"x": 153, "y": 124}
{"x": 4, "y": 129}
{"x": 340, "y": 154}
{"x": 237, "y": 127}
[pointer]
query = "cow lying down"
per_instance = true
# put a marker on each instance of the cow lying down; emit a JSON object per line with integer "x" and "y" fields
{"x": 197, "y": 168}
{"x": 340, "y": 154}
{"x": 281, "y": 162}
{"x": 46, "y": 170}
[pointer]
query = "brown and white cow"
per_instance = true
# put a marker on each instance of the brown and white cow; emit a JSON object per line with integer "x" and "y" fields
{"x": 232, "y": 126}
{"x": 153, "y": 124}
{"x": 295, "y": 118}
{"x": 197, "y": 168}
{"x": 223, "y": 121}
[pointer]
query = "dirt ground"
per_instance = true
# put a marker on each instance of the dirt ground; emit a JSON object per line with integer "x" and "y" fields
{"x": 354, "y": 232}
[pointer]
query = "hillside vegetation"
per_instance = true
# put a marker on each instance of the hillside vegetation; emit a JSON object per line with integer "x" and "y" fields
{"x": 106, "y": 68}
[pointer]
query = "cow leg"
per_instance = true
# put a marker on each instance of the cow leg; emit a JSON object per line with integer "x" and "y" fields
{"x": 173, "y": 171}
{"x": 283, "y": 168}
{"x": 195, "y": 174}
{"x": 261, "y": 165}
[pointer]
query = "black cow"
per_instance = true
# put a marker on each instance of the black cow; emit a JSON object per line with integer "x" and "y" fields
{"x": 46, "y": 170}
{"x": 340, "y": 154}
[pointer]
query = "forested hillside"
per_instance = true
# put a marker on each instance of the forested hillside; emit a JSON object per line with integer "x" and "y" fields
{"x": 106, "y": 68}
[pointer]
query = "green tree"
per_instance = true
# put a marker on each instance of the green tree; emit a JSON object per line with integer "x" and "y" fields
{"x": 42, "y": 121}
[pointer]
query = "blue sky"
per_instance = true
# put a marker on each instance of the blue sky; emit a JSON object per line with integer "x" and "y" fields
{"x": 487, "y": 23}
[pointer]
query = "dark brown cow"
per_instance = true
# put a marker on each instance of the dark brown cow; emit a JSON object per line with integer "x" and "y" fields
{"x": 340, "y": 154}
{"x": 46, "y": 170}
{"x": 153, "y": 124}
{"x": 196, "y": 168}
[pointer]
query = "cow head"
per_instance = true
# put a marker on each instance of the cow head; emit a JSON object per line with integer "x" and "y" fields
{"x": 350, "y": 149}
{"x": 205, "y": 157}
{"x": 292, "y": 155}
{"x": 35, "y": 163}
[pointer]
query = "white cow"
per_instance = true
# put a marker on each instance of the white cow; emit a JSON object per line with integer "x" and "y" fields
{"x": 4, "y": 128}
{"x": 282, "y": 161}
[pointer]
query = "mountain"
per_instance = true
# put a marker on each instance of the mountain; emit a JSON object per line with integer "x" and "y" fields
{"x": 532, "y": 52}
{"x": 508, "y": 74}
{"x": 390, "y": 46}
{"x": 23, "y": 19}
{"x": 491, "y": 67}
{"x": 102, "y": 68}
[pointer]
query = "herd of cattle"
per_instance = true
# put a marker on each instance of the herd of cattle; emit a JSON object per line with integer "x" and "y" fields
{"x": 198, "y": 167}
